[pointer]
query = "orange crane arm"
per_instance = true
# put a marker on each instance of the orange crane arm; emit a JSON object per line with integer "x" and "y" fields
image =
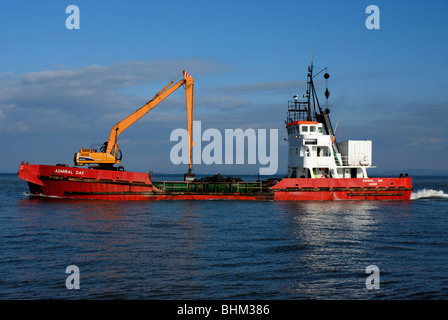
{"x": 159, "y": 97}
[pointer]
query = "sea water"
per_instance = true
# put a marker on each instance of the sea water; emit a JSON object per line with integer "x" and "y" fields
{"x": 224, "y": 249}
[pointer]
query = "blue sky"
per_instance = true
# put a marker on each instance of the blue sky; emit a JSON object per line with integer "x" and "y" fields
{"x": 62, "y": 89}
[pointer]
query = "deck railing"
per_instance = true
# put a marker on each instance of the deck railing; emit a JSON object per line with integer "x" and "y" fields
{"x": 197, "y": 186}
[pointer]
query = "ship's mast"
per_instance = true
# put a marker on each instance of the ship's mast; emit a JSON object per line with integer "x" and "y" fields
{"x": 310, "y": 109}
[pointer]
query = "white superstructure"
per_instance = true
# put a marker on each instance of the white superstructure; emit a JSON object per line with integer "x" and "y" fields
{"x": 313, "y": 150}
{"x": 314, "y": 154}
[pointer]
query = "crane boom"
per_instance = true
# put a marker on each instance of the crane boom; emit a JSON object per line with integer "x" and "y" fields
{"x": 108, "y": 154}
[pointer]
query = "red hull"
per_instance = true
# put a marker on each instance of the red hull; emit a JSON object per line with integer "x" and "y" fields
{"x": 79, "y": 183}
{"x": 343, "y": 189}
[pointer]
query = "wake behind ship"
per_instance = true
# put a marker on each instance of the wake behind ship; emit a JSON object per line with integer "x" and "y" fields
{"x": 319, "y": 168}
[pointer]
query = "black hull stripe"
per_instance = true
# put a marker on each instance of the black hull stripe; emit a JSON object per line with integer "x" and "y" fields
{"x": 305, "y": 189}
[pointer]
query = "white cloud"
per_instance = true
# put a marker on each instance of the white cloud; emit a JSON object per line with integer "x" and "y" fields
{"x": 220, "y": 102}
{"x": 284, "y": 87}
{"x": 88, "y": 93}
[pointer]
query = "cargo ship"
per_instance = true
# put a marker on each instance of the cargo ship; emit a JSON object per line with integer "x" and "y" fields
{"x": 319, "y": 168}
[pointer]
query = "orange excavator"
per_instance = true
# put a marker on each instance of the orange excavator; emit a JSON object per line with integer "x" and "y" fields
{"x": 110, "y": 154}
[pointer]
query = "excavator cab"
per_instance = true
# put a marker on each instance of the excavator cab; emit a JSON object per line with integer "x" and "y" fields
{"x": 91, "y": 156}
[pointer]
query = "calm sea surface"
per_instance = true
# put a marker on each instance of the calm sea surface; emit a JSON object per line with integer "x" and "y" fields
{"x": 224, "y": 249}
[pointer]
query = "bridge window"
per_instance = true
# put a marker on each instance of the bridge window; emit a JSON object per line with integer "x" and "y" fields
{"x": 304, "y": 128}
{"x": 323, "y": 152}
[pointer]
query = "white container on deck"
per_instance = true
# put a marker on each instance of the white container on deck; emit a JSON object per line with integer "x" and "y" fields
{"x": 356, "y": 152}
